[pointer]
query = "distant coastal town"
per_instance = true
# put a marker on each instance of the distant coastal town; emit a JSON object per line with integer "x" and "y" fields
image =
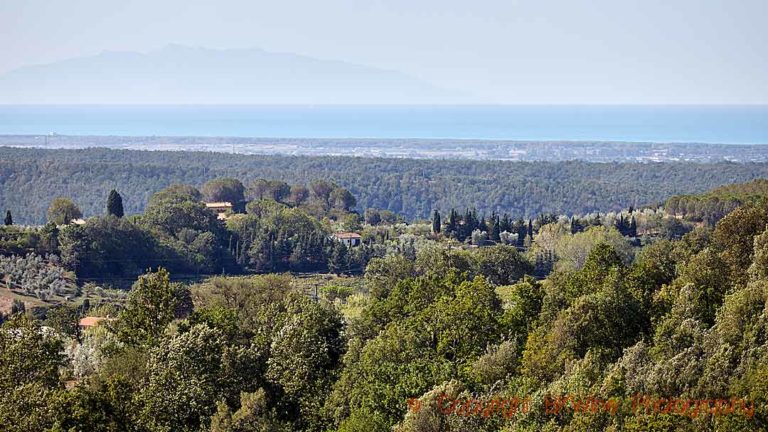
{"x": 413, "y": 148}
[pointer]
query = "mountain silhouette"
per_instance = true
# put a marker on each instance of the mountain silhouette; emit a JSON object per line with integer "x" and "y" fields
{"x": 179, "y": 74}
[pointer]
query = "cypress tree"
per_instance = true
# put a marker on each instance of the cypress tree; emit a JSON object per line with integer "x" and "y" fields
{"x": 496, "y": 230}
{"x": 468, "y": 226}
{"x": 115, "y": 204}
{"x": 482, "y": 225}
{"x": 436, "y": 222}
{"x": 633, "y": 227}
{"x": 8, "y": 218}
{"x": 620, "y": 225}
{"x": 451, "y": 227}
{"x": 522, "y": 232}
{"x": 506, "y": 223}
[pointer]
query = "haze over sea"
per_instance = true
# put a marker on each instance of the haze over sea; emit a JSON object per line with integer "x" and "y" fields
{"x": 722, "y": 124}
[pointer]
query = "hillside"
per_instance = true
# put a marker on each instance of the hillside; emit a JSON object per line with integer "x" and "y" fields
{"x": 741, "y": 191}
{"x": 712, "y": 205}
{"x": 620, "y": 335}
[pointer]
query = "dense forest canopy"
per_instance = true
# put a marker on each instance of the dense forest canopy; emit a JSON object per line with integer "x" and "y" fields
{"x": 31, "y": 178}
{"x": 711, "y": 206}
{"x": 637, "y": 319}
{"x": 667, "y": 335}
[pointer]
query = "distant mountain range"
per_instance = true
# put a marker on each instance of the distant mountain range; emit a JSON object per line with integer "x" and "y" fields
{"x": 179, "y": 74}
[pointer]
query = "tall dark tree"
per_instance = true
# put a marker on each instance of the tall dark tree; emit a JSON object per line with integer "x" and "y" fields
{"x": 574, "y": 225}
{"x": 482, "y": 225}
{"x": 453, "y": 224}
{"x": 338, "y": 263}
{"x": 506, "y": 223}
{"x": 522, "y": 231}
{"x": 115, "y": 204}
{"x": 633, "y": 227}
{"x": 436, "y": 224}
{"x": 621, "y": 225}
{"x": 495, "y": 230}
{"x": 8, "y": 218}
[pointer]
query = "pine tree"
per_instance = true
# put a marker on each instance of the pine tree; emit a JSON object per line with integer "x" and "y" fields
{"x": 115, "y": 204}
{"x": 8, "y": 218}
{"x": 436, "y": 224}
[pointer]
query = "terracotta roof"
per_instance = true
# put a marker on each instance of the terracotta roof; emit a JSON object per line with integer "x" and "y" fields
{"x": 347, "y": 235}
{"x": 92, "y": 321}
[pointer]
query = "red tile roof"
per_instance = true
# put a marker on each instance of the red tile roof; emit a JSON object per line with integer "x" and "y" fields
{"x": 92, "y": 321}
{"x": 347, "y": 235}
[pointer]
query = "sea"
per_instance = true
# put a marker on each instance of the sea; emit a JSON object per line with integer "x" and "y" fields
{"x": 720, "y": 124}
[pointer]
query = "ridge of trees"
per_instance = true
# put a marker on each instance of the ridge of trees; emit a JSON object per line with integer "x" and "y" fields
{"x": 31, "y": 178}
{"x": 713, "y": 205}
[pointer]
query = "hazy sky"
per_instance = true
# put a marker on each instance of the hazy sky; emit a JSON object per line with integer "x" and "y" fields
{"x": 505, "y": 51}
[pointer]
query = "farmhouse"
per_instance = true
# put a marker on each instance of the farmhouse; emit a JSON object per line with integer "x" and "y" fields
{"x": 220, "y": 208}
{"x": 348, "y": 238}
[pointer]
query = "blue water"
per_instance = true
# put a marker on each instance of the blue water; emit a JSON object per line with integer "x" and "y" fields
{"x": 705, "y": 124}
